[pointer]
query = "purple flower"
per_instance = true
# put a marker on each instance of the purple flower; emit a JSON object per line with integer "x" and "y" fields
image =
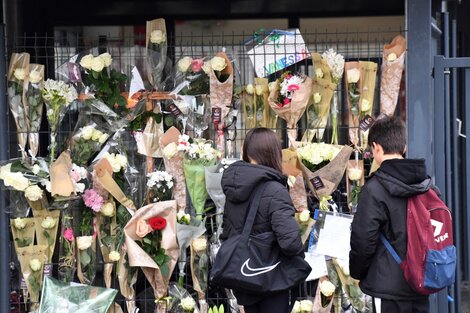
{"x": 93, "y": 200}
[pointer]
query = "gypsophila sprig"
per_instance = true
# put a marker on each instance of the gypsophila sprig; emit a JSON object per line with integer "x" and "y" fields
{"x": 335, "y": 63}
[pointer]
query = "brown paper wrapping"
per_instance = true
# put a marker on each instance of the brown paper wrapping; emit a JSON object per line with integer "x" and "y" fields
{"x": 320, "y": 63}
{"x": 261, "y": 102}
{"x": 317, "y": 307}
{"x": 126, "y": 283}
{"x": 61, "y": 182}
{"x": 25, "y": 255}
{"x": 368, "y": 78}
{"x": 40, "y": 232}
{"x": 82, "y": 274}
{"x": 291, "y": 167}
{"x": 104, "y": 177}
{"x": 331, "y": 174}
{"x": 353, "y": 119}
{"x": 201, "y": 293}
{"x": 157, "y": 24}
{"x": 174, "y": 166}
{"x": 221, "y": 97}
{"x": 110, "y": 224}
{"x": 38, "y": 205}
{"x": 318, "y": 113}
{"x": 19, "y": 108}
{"x": 22, "y": 234}
{"x": 139, "y": 258}
{"x": 33, "y": 134}
{"x": 391, "y": 75}
{"x": 352, "y": 164}
{"x": 346, "y": 281}
{"x": 291, "y": 113}
{"x": 249, "y": 109}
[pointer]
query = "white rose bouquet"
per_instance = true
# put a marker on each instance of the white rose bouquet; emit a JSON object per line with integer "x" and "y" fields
{"x": 192, "y": 76}
{"x": 156, "y": 44}
{"x": 181, "y": 300}
{"x": 57, "y": 96}
{"x": 86, "y": 142}
{"x": 200, "y": 268}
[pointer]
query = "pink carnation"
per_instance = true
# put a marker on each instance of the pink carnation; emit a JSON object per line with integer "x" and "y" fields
{"x": 293, "y": 87}
{"x": 93, "y": 200}
{"x": 196, "y": 65}
{"x": 68, "y": 234}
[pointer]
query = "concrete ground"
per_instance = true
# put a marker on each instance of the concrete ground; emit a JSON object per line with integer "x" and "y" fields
{"x": 465, "y": 297}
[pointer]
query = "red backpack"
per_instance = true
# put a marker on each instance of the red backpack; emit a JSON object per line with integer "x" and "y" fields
{"x": 430, "y": 261}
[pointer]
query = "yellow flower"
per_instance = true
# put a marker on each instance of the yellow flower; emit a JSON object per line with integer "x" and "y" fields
{"x": 206, "y": 67}
{"x": 296, "y": 307}
{"x": 87, "y": 132}
{"x": 354, "y": 174}
{"x": 35, "y": 265}
{"x": 365, "y": 105}
{"x": 259, "y": 90}
{"x": 316, "y": 97}
{"x": 353, "y": 75}
{"x": 391, "y": 57}
{"x": 327, "y": 288}
{"x": 114, "y": 256}
{"x": 19, "y": 223}
{"x": 48, "y": 222}
{"x": 103, "y": 138}
{"x": 218, "y": 63}
{"x": 306, "y": 306}
{"x": 200, "y": 244}
{"x": 85, "y": 62}
{"x": 318, "y": 73}
{"x": 188, "y": 304}
{"x": 106, "y": 58}
{"x": 96, "y": 135}
{"x": 304, "y": 216}
{"x": 97, "y": 64}
{"x": 19, "y": 73}
{"x": 107, "y": 209}
{"x": 35, "y": 77}
{"x": 250, "y": 89}
{"x": 157, "y": 37}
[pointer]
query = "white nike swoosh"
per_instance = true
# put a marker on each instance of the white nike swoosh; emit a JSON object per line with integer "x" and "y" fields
{"x": 256, "y": 271}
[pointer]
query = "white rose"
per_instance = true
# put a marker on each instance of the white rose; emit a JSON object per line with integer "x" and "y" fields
{"x": 96, "y": 135}
{"x": 184, "y": 64}
{"x": 36, "y": 169}
{"x": 107, "y": 59}
{"x": 35, "y": 265}
{"x": 316, "y": 97}
{"x": 304, "y": 216}
{"x": 97, "y": 64}
{"x": 107, "y": 209}
{"x": 170, "y": 150}
{"x": 187, "y": 304}
{"x": 249, "y": 89}
{"x": 318, "y": 73}
{"x": 354, "y": 174}
{"x": 48, "y": 186}
{"x": 16, "y": 180}
{"x": 84, "y": 242}
{"x": 353, "y": 75}
{"x": 19, "y": 223}
{"x": 157, "y": 37}
{"x": 85, "y": 62}
{"x": 306, "y": 306}
{"x": 87, "y": 132}
{"x": 391, "y": 57}
{"x": 103, "y": 138}
{"x": 259, "y": 90}
{"x": 19, "y": 73}
{"x": 33, "y": 193}
{"x": 200, "y": 244}
{"x": 35, "y": 77}
{"x": 114, "y": 164}
{"x": 114, "y": 256}
{"x": 121, "y": 159}
{"x": 5, "y": 170}
{"x": 218, "y": 63}
{"x": 327, "y": 288}
{"x": 365, "y": 105}
{"x": 79, "y": 187}
{"x": 206, "y": 67}
{"x": 48, "y": 222}
{"x": 296, "y": 307}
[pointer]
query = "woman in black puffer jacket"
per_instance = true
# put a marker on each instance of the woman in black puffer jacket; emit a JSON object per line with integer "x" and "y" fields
{"x": 261, "y": 163}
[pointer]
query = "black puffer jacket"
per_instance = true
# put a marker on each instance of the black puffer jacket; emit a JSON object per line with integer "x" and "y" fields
{"x": 275, "y": 213}
{"x": 382, "y": 209}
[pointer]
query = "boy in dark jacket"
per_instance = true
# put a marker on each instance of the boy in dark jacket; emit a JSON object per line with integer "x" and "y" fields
{"x": 382, "y": 209}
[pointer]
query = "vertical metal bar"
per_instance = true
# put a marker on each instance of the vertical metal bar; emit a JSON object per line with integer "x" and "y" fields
{"x": 4, "y": 218}
{"x": 467, "y": 164}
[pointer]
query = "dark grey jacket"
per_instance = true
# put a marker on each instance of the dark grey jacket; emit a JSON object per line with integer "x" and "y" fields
{"x": 382, "y": 209}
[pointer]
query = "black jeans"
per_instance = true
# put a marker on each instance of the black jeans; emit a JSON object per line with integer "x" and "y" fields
{"x": 278, "y": 303}
{"x": 400, "y": 306}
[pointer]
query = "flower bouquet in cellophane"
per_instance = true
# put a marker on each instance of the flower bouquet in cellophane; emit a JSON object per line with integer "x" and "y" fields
{"x": 35, "y": 103}
{"x": 289, "y": 99}
{"x": 354, "y": 182}
{"x": 368, "y": 78}
{"x": 156, "y": 45}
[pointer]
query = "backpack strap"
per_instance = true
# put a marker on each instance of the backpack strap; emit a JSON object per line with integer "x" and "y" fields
{"x": 389, "y": 247}
{"x": 253, "y": 209}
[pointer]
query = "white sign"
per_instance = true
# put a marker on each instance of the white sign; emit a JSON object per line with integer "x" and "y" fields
{"x": 334, "y": 236}
{"x": 277, "y": 50}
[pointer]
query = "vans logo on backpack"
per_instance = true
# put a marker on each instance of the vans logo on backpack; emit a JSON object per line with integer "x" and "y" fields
{"x": 437, "y": 231}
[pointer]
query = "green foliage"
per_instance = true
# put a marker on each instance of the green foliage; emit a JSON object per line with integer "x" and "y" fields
{"x": 140, "y": 121}
{"x": 107, "y": 87}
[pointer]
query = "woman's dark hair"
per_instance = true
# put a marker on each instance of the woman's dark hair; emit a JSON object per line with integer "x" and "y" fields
{"x": 262, "y": 146}
{"x": 390, "y": 133}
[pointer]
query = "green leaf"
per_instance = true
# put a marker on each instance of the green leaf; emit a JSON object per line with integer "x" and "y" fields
{"x": 147, "y": 240}
{"x": 164, "y": 270}
{"x": 121, "y": 101}
{"x": 169, "y": 121}
{"x": 221, "y": 309}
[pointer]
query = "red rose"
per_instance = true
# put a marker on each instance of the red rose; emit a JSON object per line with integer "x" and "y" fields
{"x": 157, "y": 223}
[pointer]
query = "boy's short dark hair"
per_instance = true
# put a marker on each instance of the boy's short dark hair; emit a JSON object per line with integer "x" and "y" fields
{"x": 390, "y": 133}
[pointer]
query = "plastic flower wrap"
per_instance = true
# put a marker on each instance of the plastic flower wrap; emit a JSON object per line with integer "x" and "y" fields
{"x": 200, "y": 269}
{"x": 263, "y": 110}
{"x": 353, "y": 92}
{"x": 355, "y": 180}
{"x": 289, "y": 99}
{"x": 35, "y": 104}
{"x": 323, "y": 166}
{"x": 60, "y": 297}
{"x": 192, "y": 76}
{"x": 324, "y": 296}
{"x": 146, "y": 220}
{"x": 156, "y": 45}
{"x": 85, "y": 239}
{"x": 181, "y": 300}
{"x": 17, "y": 78}
{"x": 198, "y": 155}
{"x": 67, "y": 260}
{"x": 249, "y": 107}
{"x": 369, "y": 74}
{"x": 187, "y": 229}
{"x": 57, "y": 96}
